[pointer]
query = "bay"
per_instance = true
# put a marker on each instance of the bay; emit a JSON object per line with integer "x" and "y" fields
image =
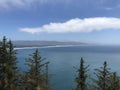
{"x": 64, "y": 59}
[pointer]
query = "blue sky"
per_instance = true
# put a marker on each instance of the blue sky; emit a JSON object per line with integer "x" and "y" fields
{"x": 91, "y": 21}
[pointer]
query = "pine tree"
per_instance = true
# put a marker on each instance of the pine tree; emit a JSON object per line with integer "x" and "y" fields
{"x": 13, "y": 70}
{"x": 35, "y": 79}
{"x": 8, "y": 69}
{"x": 103, "y": 77}
{"x": 114, "y": 82}
{"x": 3, "y": 64}
{"x": 82, "y": 76}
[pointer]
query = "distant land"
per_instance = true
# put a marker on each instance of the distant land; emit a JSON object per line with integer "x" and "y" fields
{"x": 20, "y": 43}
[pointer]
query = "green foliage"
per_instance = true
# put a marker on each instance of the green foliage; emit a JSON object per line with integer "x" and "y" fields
{"x": 104, "y": 80}
{"x": 103, "y": 77}
{"x": 8, "y": 69}
{"x": 114, "y": 81}
{"x": 35, "y": 78}
{"x": 82, "y": 76}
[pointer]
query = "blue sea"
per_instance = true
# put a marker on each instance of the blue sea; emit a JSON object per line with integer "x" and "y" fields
{"x": 64, "y": 59}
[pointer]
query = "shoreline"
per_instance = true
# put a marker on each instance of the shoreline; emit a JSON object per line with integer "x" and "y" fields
{"x": 19, "y": 48}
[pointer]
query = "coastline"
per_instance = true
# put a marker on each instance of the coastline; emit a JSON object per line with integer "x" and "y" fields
{"x": 19, "y": 48}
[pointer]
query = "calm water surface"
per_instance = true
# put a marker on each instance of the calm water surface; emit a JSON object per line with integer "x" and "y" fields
{"x": 63, "y": 59}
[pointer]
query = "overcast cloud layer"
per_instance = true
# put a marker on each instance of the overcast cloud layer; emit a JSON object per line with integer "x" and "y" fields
{"x": 77, "y": 25}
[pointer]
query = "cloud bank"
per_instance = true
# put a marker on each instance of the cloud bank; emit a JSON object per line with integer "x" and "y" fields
{"x": 77, "y": 25}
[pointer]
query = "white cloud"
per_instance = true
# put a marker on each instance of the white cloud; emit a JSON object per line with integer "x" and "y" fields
{"x": 7, "y": 4}
{"x": 77, "y": 25}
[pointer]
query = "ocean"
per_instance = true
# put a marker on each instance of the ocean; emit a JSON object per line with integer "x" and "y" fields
{"x": 64, "y": 59}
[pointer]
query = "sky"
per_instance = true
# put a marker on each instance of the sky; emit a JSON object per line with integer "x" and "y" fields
{"x": 90, "y": 21}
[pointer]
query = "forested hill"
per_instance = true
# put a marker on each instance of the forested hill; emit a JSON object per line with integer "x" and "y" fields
{"x": 21, "y": 43}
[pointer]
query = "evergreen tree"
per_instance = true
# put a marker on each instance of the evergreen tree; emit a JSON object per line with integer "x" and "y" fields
{"x": 82, "y": 76}
{"x": 8, "y": 69}
{"x": 3, "y": 60}
{"x": 103, "y": 77}
{"x": 114, "y": 82}
{"x": 35, "y": 78}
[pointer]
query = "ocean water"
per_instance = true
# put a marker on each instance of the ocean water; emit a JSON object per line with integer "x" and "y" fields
{"x": 64, "y": 59}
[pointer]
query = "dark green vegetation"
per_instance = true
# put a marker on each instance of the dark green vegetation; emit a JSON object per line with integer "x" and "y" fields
{"x": 82, "y": 76}
{"x": 104, "y": 80}
{"x": 8, "y": 69}
{"x": 37, "y": 76}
